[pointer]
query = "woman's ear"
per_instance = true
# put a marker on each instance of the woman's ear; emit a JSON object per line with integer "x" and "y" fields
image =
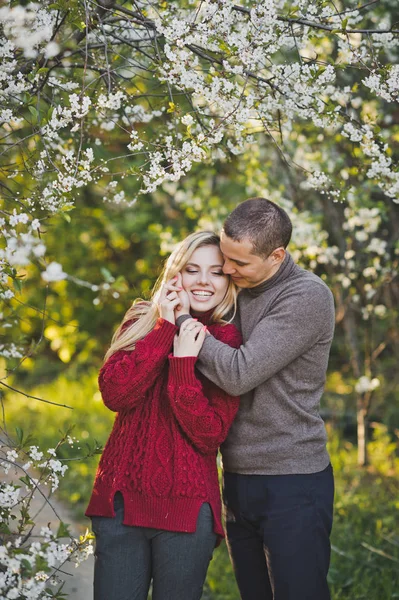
{"x": 179, "y": 279}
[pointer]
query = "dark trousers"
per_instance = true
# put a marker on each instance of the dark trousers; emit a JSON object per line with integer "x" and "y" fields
{"x": 128, "y": 558}
{"x": 278, "y": 529}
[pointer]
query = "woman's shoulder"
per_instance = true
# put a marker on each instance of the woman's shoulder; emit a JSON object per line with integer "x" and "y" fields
{"x": 226, "y": 333}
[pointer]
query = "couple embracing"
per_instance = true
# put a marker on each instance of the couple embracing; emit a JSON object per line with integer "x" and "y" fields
{"x": 230, "y": 352}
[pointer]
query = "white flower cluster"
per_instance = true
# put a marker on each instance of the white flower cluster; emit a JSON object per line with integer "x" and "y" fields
{"x": 29, "y": 28}
{"x": 53, "y": 272}
{"x": 388, "y": 87}
{"x": 368, "y": 220}
{"x": 178, "y": 162}
{"x": 9, "y": 495}
{"x": 247, "y": 88}
{"x": 57, "y": 470}
{"x": 111, "y": 101}
{"x": 11, "y": 350}
{"x": 136, "y": 144}
{"x": 28, "y": 567}
{"x": 21, "y": 240}
{"x": 73, "y": 172}
{"x": 311, "y": 242}
{"x": 63, "y": 116}
{"x": 365, "y": 384}
{"x": 381, "y": 166}
{"x": 351, "y": 132}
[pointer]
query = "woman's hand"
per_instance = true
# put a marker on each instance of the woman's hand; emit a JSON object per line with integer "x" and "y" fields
{"x": 184, "y": 307}
{"x": 169, "y": 300}
{"x": 190, "y": 339}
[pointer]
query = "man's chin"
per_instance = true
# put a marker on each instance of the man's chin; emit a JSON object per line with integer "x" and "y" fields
{"x": 242, "y": 283}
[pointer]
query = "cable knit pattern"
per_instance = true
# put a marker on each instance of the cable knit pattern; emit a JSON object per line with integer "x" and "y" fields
{"x": 161, "y": 454}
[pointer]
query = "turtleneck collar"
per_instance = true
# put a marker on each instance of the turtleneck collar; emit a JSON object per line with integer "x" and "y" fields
{"x": 205, "y": 317}
{"x": 287, "y": 267}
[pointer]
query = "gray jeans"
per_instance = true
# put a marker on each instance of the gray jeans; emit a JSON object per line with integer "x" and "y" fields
{"x": 128, "y": 558}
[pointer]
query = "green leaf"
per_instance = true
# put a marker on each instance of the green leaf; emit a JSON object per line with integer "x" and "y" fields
{"x": 63, "y": 530}
{"x": 4, "y": 528}
{"x": 19, "y": 432}
{"x": 25, "y": 480}
{"x": 107, "y": 275}
{"x": 33, "y": 112}
{"x": 26, "y": 567}
{"x": 18, "y": 285}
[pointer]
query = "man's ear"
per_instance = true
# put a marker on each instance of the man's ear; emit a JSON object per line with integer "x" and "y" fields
{"x": 278, "y": 255}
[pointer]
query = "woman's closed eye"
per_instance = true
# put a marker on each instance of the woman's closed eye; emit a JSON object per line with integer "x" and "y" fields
{"x": 193, "y": 271}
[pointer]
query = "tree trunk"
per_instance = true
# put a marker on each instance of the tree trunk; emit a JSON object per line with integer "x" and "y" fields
{"x": 361, "y": 404}
{"x": 362, "y": 455}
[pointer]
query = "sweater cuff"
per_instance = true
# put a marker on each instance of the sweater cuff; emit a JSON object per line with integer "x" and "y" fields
{"x": 180, "y": 320}
{"x": 181, "y": 370}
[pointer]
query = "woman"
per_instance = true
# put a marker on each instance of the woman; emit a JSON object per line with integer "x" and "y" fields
{"x": 155, "y": 505}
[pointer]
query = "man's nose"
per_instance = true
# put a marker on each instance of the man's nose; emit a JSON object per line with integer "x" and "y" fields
{"x": 228, "y": 268}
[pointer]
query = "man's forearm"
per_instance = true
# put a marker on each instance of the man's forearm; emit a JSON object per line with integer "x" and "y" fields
{"x": 283, "y": 335}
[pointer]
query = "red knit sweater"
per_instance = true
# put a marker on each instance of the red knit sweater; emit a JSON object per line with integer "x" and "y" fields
{"x": 161, "y": 454}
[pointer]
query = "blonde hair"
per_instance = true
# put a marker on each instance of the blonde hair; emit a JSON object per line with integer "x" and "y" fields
{"x": 145, "y": 314}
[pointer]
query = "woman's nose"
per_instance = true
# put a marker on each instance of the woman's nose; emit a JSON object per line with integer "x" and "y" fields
{"x": 203, "y": 277}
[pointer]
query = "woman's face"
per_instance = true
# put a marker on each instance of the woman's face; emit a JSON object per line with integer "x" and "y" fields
{"x": 203, "y": 279}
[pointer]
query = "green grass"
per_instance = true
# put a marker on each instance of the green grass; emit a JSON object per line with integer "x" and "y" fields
{"x": 365, "y": 539}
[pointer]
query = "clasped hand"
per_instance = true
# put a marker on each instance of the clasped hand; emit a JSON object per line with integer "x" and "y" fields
{"x": 173, "y": 302}
{"x": 190, "y": 339}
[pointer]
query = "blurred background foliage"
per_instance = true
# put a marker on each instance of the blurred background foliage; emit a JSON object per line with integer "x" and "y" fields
{"x": 70, "y": 323}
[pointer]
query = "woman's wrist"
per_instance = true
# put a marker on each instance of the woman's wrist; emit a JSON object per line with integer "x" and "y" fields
{"x": 167, "y": 316}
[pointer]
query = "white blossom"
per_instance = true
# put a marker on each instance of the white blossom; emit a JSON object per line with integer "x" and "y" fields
{"x": 365, "y": 384}
{"x": 53, "y": 272}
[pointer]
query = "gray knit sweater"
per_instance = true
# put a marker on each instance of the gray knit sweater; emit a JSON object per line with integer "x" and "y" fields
{"x": 287, "y": 323}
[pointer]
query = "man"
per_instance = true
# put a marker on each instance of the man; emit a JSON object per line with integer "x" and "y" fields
{"x": 278, "y": 481}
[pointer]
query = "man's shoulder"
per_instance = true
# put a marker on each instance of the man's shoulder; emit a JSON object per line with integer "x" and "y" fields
{"x": 306, "y": 288}
{"x": 311, "y": 281}
{"x": 302, "y": 283}
{"x": 302, "y": 289}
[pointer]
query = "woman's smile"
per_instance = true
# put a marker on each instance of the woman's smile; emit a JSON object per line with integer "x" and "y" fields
{"x": 203, "y": 279}
{"x": 201, "y": 295}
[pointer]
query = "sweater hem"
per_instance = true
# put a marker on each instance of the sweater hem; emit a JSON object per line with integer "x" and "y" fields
{"x": 169, "y": 514}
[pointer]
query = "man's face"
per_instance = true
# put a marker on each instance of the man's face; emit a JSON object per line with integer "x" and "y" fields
{"x": 246, "y": 269}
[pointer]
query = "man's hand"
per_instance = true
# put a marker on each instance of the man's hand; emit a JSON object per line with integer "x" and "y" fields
{"x": 190, "y": 339}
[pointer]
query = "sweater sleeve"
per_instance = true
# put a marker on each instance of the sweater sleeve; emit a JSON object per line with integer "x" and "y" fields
{"x": 127, "y": 375}
{"x": 294, "y": 324}
{"x": 204, "y": 413}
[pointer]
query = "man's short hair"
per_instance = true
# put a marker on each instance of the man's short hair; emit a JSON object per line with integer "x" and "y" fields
{"x": 262, "y": 222}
